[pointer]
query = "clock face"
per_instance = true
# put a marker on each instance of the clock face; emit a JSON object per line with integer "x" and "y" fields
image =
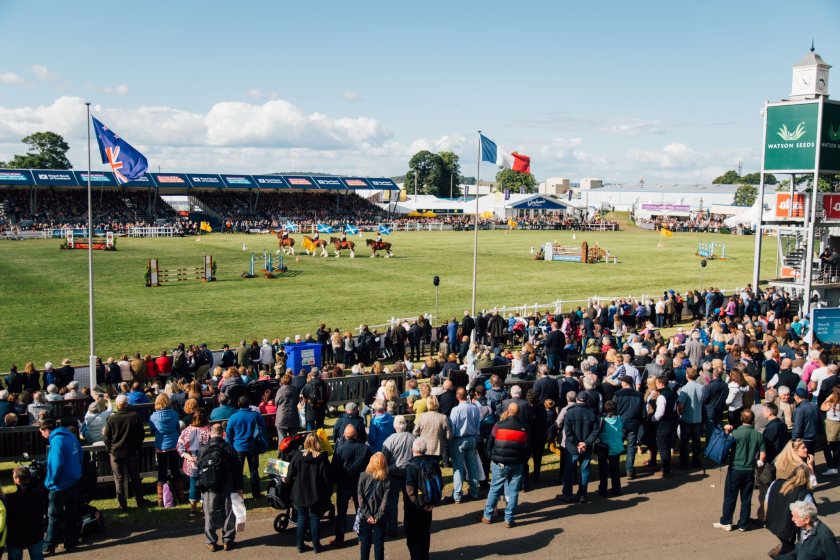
{"x": 822, "y": 82}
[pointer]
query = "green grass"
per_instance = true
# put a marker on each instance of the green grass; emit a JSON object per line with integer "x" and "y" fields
{"x": 43, "y": 290}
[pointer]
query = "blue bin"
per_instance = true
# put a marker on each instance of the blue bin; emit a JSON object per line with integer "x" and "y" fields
{"x": 302, "y": 357}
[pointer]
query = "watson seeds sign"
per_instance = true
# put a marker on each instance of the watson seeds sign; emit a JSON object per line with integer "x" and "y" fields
{"x": 791, "y": 137}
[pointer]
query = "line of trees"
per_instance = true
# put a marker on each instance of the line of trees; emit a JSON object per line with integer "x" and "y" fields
{"x": 47, "y": 150}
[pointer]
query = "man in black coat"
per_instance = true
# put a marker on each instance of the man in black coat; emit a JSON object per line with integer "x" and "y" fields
{"x": 555, "y": 348}
{"x": 545, "y": 387}
{"x": 447, "y": 399}
{"x": 467, "y": 325}
{"x": 415, "y": 336}
{"x": 398, "y": 338}
{"x": 350, "y": 459}
{"x": 317, "y": 395}
{"x": 25, "y": 516}
{"x": 629, "y": 404}
{"x": 350, "y": 418}
{"x": 521, "y": 404}
{"x": 580, "y": 427}
{"x": 714, "y": 401}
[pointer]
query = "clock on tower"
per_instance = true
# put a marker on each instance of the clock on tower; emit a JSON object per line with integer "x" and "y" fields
{"x": 810, "y": 77}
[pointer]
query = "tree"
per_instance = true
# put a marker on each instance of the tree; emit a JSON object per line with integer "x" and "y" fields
{"x": 513, "y": 180}
{"x": 755, "y": 179}
{"x": 432, "y": 174}
{"x": 746, "y": 195}
{"x": 452, "y": 167}
{"x": 47, "y": 150}
{"x": 731, "y": 177}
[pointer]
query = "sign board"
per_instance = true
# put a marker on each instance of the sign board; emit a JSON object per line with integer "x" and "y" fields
{"x": 329, "y": 183}
{"x": 539, "y": 203}
{"x": 826, "y": 330}
{"x": 171, "y": 180}
{"x": 666, "y": 207}
{"x": 830, "y": 139}
{"x": 202, "y": 180}
{"x": 97, "y": 178}
{"x": 378, "y": 183}
{"x": 238, "y": 181}
{"x": 791, "y": 137}
{"x": 54, "y": 178}
{"x": 16, "y": 177}
{"x": 783, "y": 206}
{"x": 143, "y": 181}
{"x": 831, "y": 206}
{"x": 270, "y": 181}
{"x": 300, "y": 182}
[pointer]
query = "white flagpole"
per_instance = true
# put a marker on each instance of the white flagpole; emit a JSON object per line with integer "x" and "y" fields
{"x": 92, "y": 356}
{"x": 475, "y": 235}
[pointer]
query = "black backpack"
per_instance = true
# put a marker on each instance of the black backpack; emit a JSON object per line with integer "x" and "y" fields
{"x": 212, "y": 467}
{"x": 429, "y": 488}
{"x": 319, "y": 394}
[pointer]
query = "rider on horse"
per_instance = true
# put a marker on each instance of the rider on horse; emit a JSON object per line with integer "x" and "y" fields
{"x": 343, "y": 237}
{"x": 284, "y": 234}
{"x": 317, "y": 236}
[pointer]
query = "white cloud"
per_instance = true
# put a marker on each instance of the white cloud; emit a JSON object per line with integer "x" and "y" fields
{"x": 43, "y": 73}
{"x": 350, "y": 96}
{"x": 255, "y": 93}
{"x": 11, "y": 78}
{"x": 633, "y": 127}
{"x": 118, "y": 90}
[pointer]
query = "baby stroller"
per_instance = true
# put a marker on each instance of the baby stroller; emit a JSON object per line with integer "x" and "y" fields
{"x": 280, "y": 492}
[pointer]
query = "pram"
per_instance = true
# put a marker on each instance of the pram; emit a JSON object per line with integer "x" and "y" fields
{"x": 280, "y": 492}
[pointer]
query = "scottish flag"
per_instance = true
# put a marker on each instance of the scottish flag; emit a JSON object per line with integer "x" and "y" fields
{"x": 290, "y": 226}
{"x": 324, "y": 228}
{"x": 350, "y": 230}
{"x": 384, "y": 230}
{"x": 126, "y": 162}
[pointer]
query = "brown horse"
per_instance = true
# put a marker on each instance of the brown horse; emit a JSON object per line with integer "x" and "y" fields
{"x": 312, "y": 246}
{"x": 380, "y": 246}
{"x": 340, "y": 245}
{"x": 286, "y": 245}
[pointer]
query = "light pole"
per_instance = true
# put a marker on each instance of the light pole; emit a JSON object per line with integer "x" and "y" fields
{"x": 415, "y": 186}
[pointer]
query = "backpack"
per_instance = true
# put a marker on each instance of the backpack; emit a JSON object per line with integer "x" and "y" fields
{"x": 319, "y": 397}
{"x": 429, "y": 485}
{"x": 212, "y": 468}
{"x": 719, "y": 447}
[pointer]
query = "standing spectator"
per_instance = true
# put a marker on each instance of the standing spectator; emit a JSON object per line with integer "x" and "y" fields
{"x": 415, "y": 335}
{"x": 226, "y": 479}
{"x": 776, "y": 436}
{"x": 446, "y": 399}
{"x": 381, "y": 426}
{"x": 163, "y": 366}
{"x": 715, "y": 393}
{"x": 397, "y": 450}
{"x": 831, "y": 407}
{"x": 66, "y": 374}
{"x": 317, "y": 394}
{"x": 735, "y": 399}
{"x": 690, "y": 407}
{"x": 747, "y": 454}
{"x": 610, "y": 434}
{"x": 418, "y": 517}
{"x": 373, "y": 493}
{"x": 555, "y": 348}
{"x": 246, "y": 432}
{"x": 25, "y": 517}
{"x": 287, "y": 419}
{"x": 64, "y": 470}
{"x": 164, "y": 426}
{"x": 266, "y": 355}
{"x": 190, "y": 442}
{"x": 629, "y": 404}
{"x": 242, "y": 354}
{"x": 311, "y": 479}
{"x": 537, "y": 435}
{"x": 350, "y": 418}
{"x": 780, "y": 495}
{"x": 580, "y": 429}
{"x": 433, "y": 428}
{"x": 464, "y": 420}
{"x": 666, "y": 419}
{"x": 123, "y": 437}
{"x": 806, "y": 420}
{"x": 349, "y": 460}
{"x": 508, "y": 450}
{"x": 138, "y": 368}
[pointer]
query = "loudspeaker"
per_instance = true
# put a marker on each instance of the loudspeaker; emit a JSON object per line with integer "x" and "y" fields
{"x": 436, "y": 280}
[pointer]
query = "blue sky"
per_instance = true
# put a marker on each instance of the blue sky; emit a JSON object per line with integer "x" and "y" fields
{"x": 668, "y": 91}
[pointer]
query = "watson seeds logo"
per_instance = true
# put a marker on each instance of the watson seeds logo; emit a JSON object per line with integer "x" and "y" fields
{"x": 834, "y": 134}
{"x": 789, "y": 136}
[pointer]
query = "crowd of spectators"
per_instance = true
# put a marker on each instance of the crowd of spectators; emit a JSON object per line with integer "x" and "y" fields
{"x": 697, "y": 222}
{"x": 303, "y": 208}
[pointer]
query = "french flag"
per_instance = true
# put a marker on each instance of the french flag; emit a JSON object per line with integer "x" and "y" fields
{"x": 509, "y": 160}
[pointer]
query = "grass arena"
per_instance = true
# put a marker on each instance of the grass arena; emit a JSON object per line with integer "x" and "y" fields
{"x": 44, "y": 289}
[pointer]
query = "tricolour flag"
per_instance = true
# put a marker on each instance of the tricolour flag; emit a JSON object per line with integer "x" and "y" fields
{"x": 126, "y": 162}
{"x": 324, "y": 228}
{"x": 384, "y": 230}
{"x": 666, "y": 232}
{"x": 350, "y": 230}
{"x": 290, "y": 226}
{"x": 510, "y": 160}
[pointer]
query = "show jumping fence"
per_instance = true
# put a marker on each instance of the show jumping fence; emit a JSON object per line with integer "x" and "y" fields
{"x": 157, "y": 276}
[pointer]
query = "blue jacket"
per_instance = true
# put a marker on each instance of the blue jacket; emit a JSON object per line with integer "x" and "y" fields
{"x": 243, "y": 427}
{"x": 64, "y": 460}
{"x": 806, "y": 421}
{"x": 381, "y": 426}
{"x": 611, "y": 435}
{"x": 452, "y": 332}
{"x": 165, "y": 427}
{"x": 222, "y": 412}
{"x": 137, "y": 397}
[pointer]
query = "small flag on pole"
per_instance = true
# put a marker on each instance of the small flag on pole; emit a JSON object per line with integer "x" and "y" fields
{"x": 205, "y": 227}
{"x": 126, "y": 162}
{"x": 324, "y": 228}
{"x": 666, "y": 232}
{"x": 350, "y": 230}
{"x": 290, "y": 226}
{"x": 384, "y": 230}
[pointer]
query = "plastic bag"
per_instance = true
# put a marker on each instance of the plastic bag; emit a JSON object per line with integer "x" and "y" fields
{"x": 168, "y": 497}
{"x": 482, "y": 476}
{"x": 238, "y": 507}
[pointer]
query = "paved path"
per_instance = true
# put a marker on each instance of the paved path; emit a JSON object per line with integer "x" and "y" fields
{"x": 660, "y": 519}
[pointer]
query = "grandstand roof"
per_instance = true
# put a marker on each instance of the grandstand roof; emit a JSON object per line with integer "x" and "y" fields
{"x": 696, "y": 188}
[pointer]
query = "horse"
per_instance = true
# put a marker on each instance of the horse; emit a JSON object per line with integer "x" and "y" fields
{"x": 286, "y": 245}
{"x": 380, "y": 246}
{"x": 311, "y": 246}
{"x": 339, "y": 245}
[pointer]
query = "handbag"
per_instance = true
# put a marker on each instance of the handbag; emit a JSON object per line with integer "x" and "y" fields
{"x": 357, "y": 522}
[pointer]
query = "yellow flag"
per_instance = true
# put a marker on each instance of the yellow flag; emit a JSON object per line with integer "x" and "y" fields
{"x": 205, "y": 227}
{"x": 512, "y": 224}
{"x": 666, "y": 232}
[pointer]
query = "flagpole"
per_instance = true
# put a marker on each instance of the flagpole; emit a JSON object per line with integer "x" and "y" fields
{"x": 92, "y": 356}
{"x": 475, "y": 235}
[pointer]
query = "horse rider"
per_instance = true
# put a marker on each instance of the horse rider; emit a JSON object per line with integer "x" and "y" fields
{"x": 317, "y": 237}
{"x": 284, "y": 235}
{"x": 378, "y": 239}
{"x": 343, "y": 237}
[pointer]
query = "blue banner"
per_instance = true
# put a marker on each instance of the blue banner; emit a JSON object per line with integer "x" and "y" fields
{"x": 383, "y": 183}
{"x": 355, "y": 182}
{"x": 16, "y": 177}
{"x": 300, "y": 182}
{"x": 54, "y": 178}
{"x": 97, "y": 179}
{"x": 238, "y": 181}
{"x": 540, "y": 202}
{"x": 144, "y": 180}
{"x": 329, "y": 183}
{"x": 171, "y": 180}
{"x": 270, "y": 182}
{"x": 199, "y": 180}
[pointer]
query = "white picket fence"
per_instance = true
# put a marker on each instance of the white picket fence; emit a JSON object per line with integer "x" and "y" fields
{"x": 152, "y": 231}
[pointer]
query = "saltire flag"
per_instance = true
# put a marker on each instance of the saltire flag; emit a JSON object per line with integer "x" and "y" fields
{"x": 126, "y": 162}
{"x": 666, "y": 232}
{"x": 205, "y": 227}
{"x": 324, "y": 228}
{"x": 509, "y": 160}
{"x": 350, "y": 230}
{"x": 291, "y": 226}
{"x": 384, "y": 230}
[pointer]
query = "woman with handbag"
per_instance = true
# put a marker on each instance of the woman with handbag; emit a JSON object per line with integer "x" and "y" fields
{"x": 191, "y": 440}
{"x": 373, "y": 498}
{"x": 310, "y": 477}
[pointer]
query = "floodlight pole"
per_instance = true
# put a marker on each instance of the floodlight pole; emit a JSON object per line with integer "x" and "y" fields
{"x": 92, "y": 341}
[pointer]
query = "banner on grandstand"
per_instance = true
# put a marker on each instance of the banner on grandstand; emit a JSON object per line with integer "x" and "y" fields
{"x": 166, "y": 180}
{"x": 300, "y": 182}
{"x": 238, "y": 181}
{"x": 784, "y": 207}
{"x": 270, "y": 181}
{"x": 97, "y": 178}
{"x": 329, "y": 183}
{"x": 202, "y": 180}
{"x": 15, "y": 177}
{"x": 54, "y": 178}
{"x": 356, "y": 183}
{"x": 666, "y": 207}
{"x": 383, "y": 183}
{"x": 144, "y": 180}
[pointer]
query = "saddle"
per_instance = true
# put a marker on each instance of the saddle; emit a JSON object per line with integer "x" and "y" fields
{"x": 379, "y": 246}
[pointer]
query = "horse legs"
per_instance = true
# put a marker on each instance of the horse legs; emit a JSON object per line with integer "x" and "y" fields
{"x": 292, "y": 250}
{"x": 372, "y": 254}
{"x": 352, "y": 254}
{"x": 390, "y": 254}
{"x": 324, "y": 252}
{"x": 337, "y": 253}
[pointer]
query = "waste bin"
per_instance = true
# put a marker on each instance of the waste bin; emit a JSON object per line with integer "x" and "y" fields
{"x": 302, "y": 357}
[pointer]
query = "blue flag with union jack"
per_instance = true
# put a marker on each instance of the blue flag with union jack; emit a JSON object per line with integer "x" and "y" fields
{"x": 126, "y": 162}
{"x": 324, "y": 228}
{"x": 350, "y": 230}
{"x": 384, "y": 230}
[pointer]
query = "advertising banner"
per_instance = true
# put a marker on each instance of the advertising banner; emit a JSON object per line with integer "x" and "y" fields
{"x": 97, "y": 178}
{"x": 830, "y": 140}
{"x": 329, "y": 183}
{"x": 666, "y": 207}
{"x": 144, "y": 180}
{"x": 270, "y": 181}
{"x": 826, "y": 331}
{"x": 783, "y": 205}
{"x": 54, "y": 178}
{"x": 791, "y": 137}
{"x": 199, "y": 180}
{"x": 15, "y": 177}
{"x": 380, "y": 183}
{"x": 300, "y": 182}
{"x": 171, "y": 180}
{"x": 238, "y": 181}
{"x": 831, "y": 206}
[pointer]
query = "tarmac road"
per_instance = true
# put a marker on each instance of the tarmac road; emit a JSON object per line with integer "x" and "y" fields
{"x": 670, "y": 518}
